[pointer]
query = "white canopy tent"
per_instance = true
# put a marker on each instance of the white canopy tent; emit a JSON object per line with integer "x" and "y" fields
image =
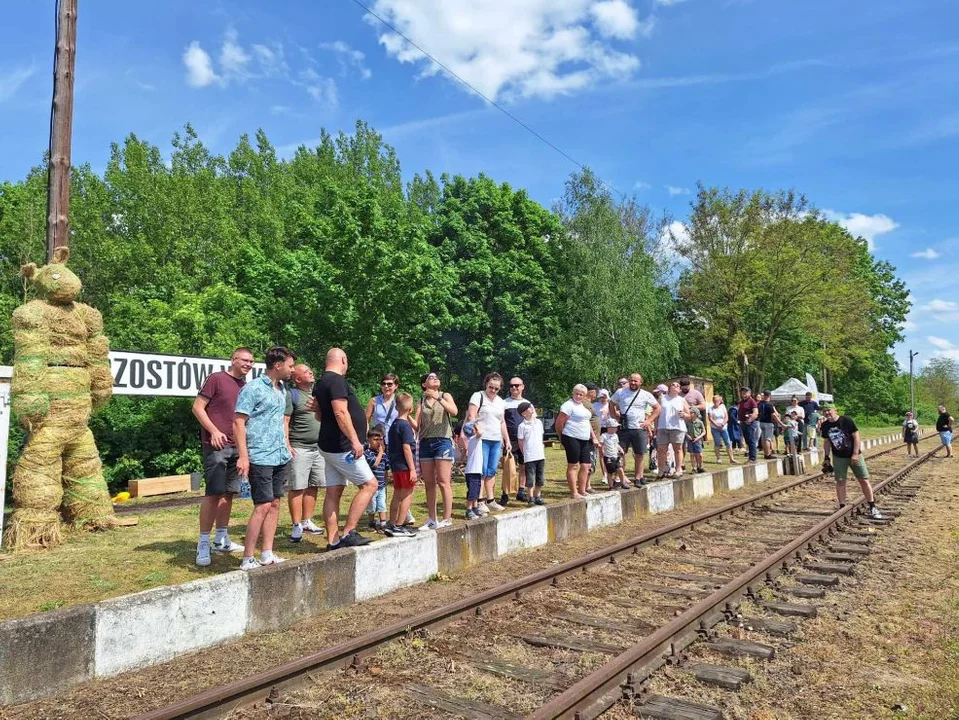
{"x": 792, "y": 386}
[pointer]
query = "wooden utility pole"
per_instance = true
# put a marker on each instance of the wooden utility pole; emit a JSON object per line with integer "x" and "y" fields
{"x": 61, "y": 128}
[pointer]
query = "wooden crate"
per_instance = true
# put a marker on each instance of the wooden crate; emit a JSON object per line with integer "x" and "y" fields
{"x": 159, "y": 485}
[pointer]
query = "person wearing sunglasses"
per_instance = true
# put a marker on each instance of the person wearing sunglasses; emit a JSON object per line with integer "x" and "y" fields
{"x": 513, "y": 420}
{"x": 841, "y": 441}
{"x": 488, "y": 409}
{"x": 381, "y": 409}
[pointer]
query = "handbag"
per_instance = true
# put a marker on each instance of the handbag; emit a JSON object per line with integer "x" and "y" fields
{"x": 624, "y": 416}
{"x": 509, "y": 473}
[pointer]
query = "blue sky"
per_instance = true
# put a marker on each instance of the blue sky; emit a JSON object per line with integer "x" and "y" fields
{"x": 855, "y": 104}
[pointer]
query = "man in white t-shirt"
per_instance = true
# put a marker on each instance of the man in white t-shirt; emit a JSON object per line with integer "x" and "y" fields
{"x": 636, "y": 410}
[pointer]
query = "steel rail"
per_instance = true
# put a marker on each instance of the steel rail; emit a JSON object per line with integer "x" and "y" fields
{"x": 604, "y": 686}
{"x": 220, "y": 700}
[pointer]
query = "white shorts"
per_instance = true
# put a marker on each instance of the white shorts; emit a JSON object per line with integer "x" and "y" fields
{"x": 307, "y": 469}
{"x": 338, "y": 470}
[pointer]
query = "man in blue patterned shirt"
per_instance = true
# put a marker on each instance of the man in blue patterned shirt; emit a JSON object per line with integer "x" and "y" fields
{"x": 263, "y": 453}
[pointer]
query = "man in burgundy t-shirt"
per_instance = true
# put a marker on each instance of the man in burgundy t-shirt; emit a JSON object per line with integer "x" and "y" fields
{"x": 214, "y": 407}
{"x": 748, "y": 412}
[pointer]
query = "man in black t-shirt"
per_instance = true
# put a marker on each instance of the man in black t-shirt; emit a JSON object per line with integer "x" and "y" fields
{"x": 944, "y": 427}
{"x": 342, "y": 434}
{"x": 844, "y": 445}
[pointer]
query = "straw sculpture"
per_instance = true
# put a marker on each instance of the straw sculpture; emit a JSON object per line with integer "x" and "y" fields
{"x": 61, "y": 373}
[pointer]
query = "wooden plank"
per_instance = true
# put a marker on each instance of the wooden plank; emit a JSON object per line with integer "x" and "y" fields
{"x": 706, "y": 579}
{"x": 159, "y": 485}
{"x": 731, "y": 678}
{"x": 691, "y": 593}
{"x": 804, "y": 592}
{"x": 827, "y": 568}
{"x": 452, "y": 705}
{"x": 627, "y": 626}
{"x": 791, "y": 511}
{"x": 741, "y": 648}
{"x": 841, "y": 557}
{"x": 791, "y": 610}
{"x": 817, "y": 579}
{"x": 849, "y": 548}
{"x": 855, "y": 540}
{"x": 667, "y": 708}
{"x": 569, "y": 642}
{"x": 773, "y": 627}
{"x": 532, "y": 676}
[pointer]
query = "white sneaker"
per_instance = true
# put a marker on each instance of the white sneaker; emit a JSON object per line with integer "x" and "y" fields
{"x": 249, "y": 564}
{"x": 874, "y": 513}
{"x": 494, "y": 506}
{"x": 311, "y": 527}
{"x": 429, "y": 525}
{"x": 227, "y": 546}
{"x": 271, "y": 559}
{"x": 296, "y": 534}
{"x": 203, "y": 554}
{"x": 482, "y": 510}
{"x": 410, "y": 520}
{"x": 444, "y": 523}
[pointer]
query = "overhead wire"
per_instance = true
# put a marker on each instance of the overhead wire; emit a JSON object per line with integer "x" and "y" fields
{"x": 489, "y": 100}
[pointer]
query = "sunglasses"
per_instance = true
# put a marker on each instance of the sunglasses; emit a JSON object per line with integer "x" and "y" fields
{"x": 516, "y": 384}
{"x": 386, "y": 384}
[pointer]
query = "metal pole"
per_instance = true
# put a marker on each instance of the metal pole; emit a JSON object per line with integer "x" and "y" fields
{"x": 912, "y": 385}
{"x": 61, "y": 127}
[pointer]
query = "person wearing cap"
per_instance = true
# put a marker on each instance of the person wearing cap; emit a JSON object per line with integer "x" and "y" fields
{"x": 601, "y": 413}
{"x": 843, "y": 444}
{"x": 910, "y": 433}
{"x": 636, "y": 410}
{"x": 613, "y": 455}
{"x": 529, "y": 435}
{"x": 514, "y": 419}
{"x": 768, "y": 420}
{"x": 747, "y": 416}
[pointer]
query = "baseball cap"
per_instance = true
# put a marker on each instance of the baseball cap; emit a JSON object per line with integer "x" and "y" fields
{"x": 523, "y": 407}
{"x": 612, "y": 422}
{"x": 827, "y": 406}
{"x": 604, "y": 393}
{"x": 662, "y": 388}
{"x": 744, "y": 389}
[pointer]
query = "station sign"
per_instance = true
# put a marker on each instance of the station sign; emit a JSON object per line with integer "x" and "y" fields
{"x": 159, "y": 375}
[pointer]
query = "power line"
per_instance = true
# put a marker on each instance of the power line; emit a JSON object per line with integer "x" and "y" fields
{"x": 495, "y": 104}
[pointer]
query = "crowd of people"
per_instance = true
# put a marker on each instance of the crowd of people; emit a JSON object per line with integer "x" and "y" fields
{"x": 289, "y": 433}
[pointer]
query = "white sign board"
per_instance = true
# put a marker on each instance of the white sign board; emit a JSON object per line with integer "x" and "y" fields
{"x": 136, "y": 373}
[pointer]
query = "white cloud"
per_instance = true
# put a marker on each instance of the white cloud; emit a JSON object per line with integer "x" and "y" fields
{"x": 349, "y": 57}
{"x": 668, "y": 3}
{"x": 321, "y": 89}
{"x": 927, "y": 254}
{"x": 674, "y": 191}
{"x": 199, "y": 66}
{"x": 670, "y": 235}
{"x": 503, "y": 48}
{"x": 640, "y": 185}
{"x": 945, "y": 311}
{"x": 910, "y": 325}
{"x": 867, "y": 227}
{"x": 939, "y": 342}
{"x": 615, "y": 18}
{"x": 234, "y": 60}
{"x": 12, "y": 81}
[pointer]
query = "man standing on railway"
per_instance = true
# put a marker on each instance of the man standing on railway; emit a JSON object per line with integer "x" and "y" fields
{"x": 944, "y": 425}
{"x": 842, "y": 441}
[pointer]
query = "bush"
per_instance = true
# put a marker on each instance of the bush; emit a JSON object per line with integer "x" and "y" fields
{"x": 121, "y": 472}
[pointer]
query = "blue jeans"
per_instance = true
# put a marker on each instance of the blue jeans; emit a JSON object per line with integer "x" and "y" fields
{"x": 751, "y": 436}
{"x": 720, "y": 437}
{"x": 492, "y": 449}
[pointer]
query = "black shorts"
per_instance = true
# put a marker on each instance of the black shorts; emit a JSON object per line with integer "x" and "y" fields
{"x": 267, "y": 482}
{"x": 611, "y": 464}
{"x": 635, "y": 439}
{"x": 535, "y": 473}
{"x": 219, "y": 469}
{"x": 577, "y": 451}
{"x": 912, "y": 439}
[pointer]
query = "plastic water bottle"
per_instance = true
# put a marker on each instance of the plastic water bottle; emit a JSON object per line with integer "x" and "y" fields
{"x": 349, "y": 458}
{"x": 245, "y": 489}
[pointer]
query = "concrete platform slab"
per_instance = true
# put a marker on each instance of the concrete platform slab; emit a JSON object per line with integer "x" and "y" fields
{"x": 634, "y": 502}
{"x": 307, "y": 587}
{"x": 735, "y": 478}
{"x": 813, "y": 457}
{"x": 521, "y": 530}
{"x": 461, "y": 546}
{"x": 660, "y": 496}
{"x": 604, "y": 509}
{"x": 395, "y": 563}
{"x": 683, "y": 490}
{"x": 703, "y": 486}
{"x": 46, "y": 654}
{"x": 156, "y": 625}
{"x": 762, "y": 471}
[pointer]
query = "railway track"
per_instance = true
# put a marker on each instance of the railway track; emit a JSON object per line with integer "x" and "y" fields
{"x": 575, "y": 639}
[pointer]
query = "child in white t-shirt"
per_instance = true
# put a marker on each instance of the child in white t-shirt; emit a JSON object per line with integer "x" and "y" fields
{"x": 529, "y": 433}
{"x": 473, "y": 432}
{"x": 613, "y": 454}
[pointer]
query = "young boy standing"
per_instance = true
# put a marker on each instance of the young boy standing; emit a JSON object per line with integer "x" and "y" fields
{"x": 403, "y": 466}
{"x": 529, "y": 434}
{"x": 697, "y": 433}
{"x": 379, "y": 462}
{"x": 613, "y": 454}
{"x": 473, "y": 432}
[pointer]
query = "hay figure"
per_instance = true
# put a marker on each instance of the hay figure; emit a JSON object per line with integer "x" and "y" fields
{"x": 61, "y": 372}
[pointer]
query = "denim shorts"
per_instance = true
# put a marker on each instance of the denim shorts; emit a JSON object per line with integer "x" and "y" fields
{"x": 695, "y": 448}
{"x": 377, "y": 502}
{"x": 432, "y": 449}
{"x": 945, "y": 437}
